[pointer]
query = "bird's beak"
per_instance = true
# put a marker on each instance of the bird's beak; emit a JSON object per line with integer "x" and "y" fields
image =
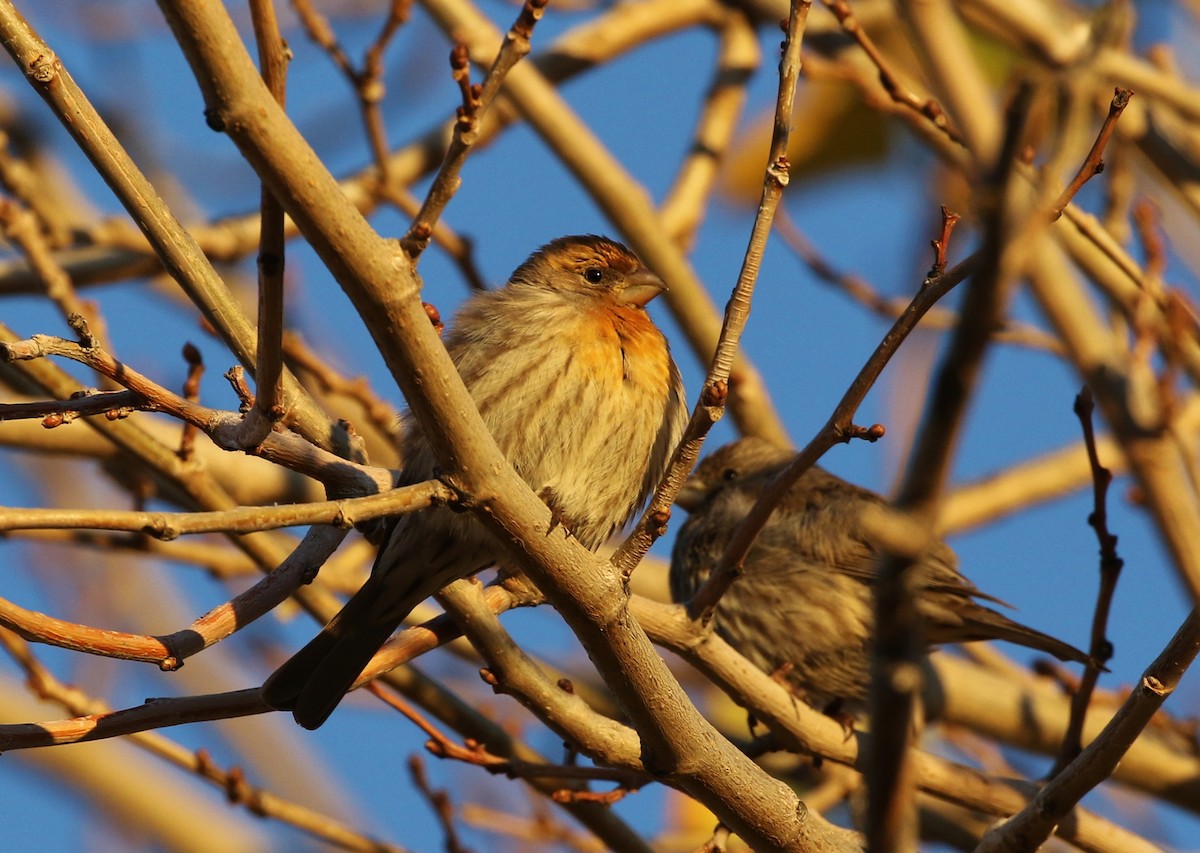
{"x": 640, "y": 287}
{"x": 691, "y": 495}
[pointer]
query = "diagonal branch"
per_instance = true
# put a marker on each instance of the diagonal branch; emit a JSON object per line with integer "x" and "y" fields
{"x": 838, "y": 428}
{"x": 677, "y": 741}
{"x": 624, "y": 201}
{"x": 713, "y": 394}
{"x": 175, "y": 247}
{"x": 476, "y": 102}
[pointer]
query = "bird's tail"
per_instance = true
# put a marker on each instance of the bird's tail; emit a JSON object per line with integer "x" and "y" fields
{"x": 996, "y": 626}
{"x": 313, "y": 681}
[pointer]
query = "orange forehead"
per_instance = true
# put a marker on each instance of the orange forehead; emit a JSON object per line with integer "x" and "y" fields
{"x": 578, "y": 254}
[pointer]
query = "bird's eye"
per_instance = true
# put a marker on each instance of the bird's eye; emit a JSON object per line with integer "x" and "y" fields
{"x": 729, "y": 474}
{"x": 594, "y": 274}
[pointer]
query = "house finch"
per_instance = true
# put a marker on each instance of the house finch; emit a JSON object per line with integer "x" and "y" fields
{"x": 803, "y": 606}
{"x": 577, "y": 387}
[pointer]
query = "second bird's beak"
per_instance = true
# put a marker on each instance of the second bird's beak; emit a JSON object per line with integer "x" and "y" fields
{"x": 640, "y": 287}
{"x": 691, "y": 495}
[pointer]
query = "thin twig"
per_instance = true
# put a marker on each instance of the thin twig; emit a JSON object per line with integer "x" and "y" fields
{"x": 224, "y": 428}
{"x": 383, "y": 416}
{"x": 24, "y": 230}
{"x": 273, "y": 57}
{"x": 1110, "y": 571}
{"x": 838, "y": 429}
{"x": 623, "y": 200}
{"x": 110, "y": 253}
{"x": 929, "y": 108}
{"x": 459, "y": 248}
{"x": 713, "y": 394}
{"x": 232, "y": 782}
{"x": 473, "y": 752}
{"x": 169, "y": 651}
{"x": 476, "y": 102}
{"x": 177, "y": 249}
{"x": 899, "y": 646}
{"x": 1036, "y": 821}
{"x": 1030, "y": 827}
{"x": 804, "y": 730}
{"x": 370, "y": 85}
{"x": 861, "y": 291}
{"x": 1093, "y": 164}
{"x": 941, "y": 245}
{"x": 165, "y": 526}
{"x": 191, "y": 393}
{"x": 439, "y": 802}
{"x": 111, "y": 404}
{"x": 367, "y": 80}
{"x": 716, "y": 844}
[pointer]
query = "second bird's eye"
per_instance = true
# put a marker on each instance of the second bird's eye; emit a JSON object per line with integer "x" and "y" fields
{"x": 594, "y": 274}
{"x": 729, "y": 474}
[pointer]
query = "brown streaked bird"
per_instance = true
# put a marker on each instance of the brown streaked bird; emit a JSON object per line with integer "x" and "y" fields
{"x": 578, "y": 388}
{"x": 803, "y": 606}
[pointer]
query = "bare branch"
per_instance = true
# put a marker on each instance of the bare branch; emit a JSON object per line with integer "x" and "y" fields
{"x": 177, "y": 250}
